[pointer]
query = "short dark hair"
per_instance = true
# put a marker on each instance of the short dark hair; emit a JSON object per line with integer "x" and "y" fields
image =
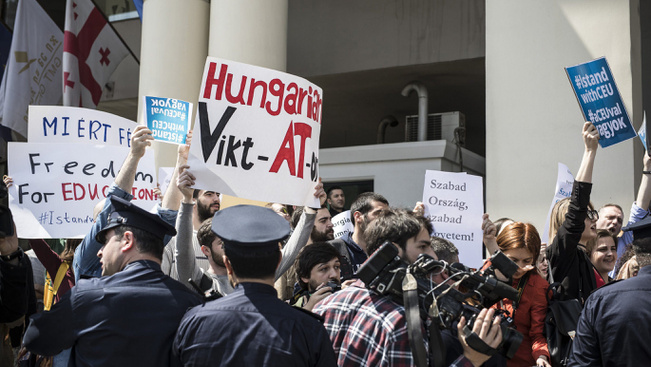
{"x": 364, "y": 203}
{"x": 146, "y": 242}
{"x": 311, "y": 256}
{"x": 205, "y": 235}
{"x": 395, "y": 225}
{"x": 444, "y": 249}
{"x": 333, "y": 188}
{"x": 256, "y": 263}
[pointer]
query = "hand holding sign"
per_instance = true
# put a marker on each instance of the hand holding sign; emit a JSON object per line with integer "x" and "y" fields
{"x": 590, "y": 137}
{"x": 140, "y": 140}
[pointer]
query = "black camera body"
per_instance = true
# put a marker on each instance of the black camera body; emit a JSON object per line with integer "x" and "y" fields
{"x": 384, "y": 272}
{"x": 336, "y": 287}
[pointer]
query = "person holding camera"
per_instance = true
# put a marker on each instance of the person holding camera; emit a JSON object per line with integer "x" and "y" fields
{"x": 520, "y": 242}
{"x": 317, "y": 270}
{"x": 370, "y": 329}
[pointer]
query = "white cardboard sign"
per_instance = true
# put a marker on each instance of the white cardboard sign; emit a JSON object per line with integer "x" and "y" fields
{"x": 455, "y": 203}
{"x": 256, "y": 134}
{"x": 342, "y": 224}
{"x": 55, "y": 187}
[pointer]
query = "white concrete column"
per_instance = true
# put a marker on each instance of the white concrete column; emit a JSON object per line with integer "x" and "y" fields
{"x": 249, "y": 31}
{"x": 533, "y": 120}
{"x": 174, "y": 50}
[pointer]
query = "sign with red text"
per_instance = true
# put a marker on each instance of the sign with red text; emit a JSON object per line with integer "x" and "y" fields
{"x": 455, "y": 203}
{"x": 57, "y": 124}
{"x": 256, "y": 134}
{"x": 55, "y": 186}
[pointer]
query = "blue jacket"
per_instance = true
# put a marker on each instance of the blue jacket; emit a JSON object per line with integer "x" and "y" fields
{"x": 126, "y": 319}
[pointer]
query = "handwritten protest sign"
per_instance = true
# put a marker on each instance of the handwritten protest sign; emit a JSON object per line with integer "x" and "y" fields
{"x": 455, "y": 205}
{"x": 342, "y": 224}
{"x": 57, "y": 124}
{"x": 167, "y": 118}
{"x": 564, "y": 182}
{"x": 256, "y": 135}
{"x": 55, "y": 188}
{"x": 600, "y": 101}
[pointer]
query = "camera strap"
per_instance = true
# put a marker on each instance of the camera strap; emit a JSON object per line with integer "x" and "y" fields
{"x": 412, "y": 312}
{"x": 474, "y": 341}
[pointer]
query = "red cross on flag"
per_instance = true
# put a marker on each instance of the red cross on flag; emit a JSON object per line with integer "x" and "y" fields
{"x": 91, "y": 52}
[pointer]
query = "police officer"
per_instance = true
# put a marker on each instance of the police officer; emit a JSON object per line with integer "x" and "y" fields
{"x": 251, "y": 326}
{"x": 130, "y": 315}
{"x": 615, "y": 325}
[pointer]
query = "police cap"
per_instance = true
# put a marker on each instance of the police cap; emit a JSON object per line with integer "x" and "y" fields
{"x": 641, "y": 235}
{"x": 250, "y": 226}
{"x": 125, "y": 213}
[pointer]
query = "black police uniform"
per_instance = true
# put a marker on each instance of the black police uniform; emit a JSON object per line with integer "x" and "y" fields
{"x": 615, "y": 326}
{"x": 126, "y": 319}
{"x": 251, "y": 326}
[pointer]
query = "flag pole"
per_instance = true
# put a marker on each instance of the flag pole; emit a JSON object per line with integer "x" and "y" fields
{"x": 116, "y": 32}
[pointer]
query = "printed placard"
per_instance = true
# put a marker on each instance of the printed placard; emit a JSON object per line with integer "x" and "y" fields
{"x": 167, "y": 118}
{"x": 164, "y": 178}
{"x": 256, "y": 135}
{"x": 455, "y": 203}
{"x": 600, "y": 101}
{"x": 72, "y": 125}
{"x": 564, "y": 182}
{"x": 55, "y": 187}
{"x": 342, "y": 225}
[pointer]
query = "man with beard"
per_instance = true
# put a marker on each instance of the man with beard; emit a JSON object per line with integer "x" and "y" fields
{"x": 317, "y": 269}
{"x": 352, "y": 245}
{"x": 323, "y": 229}
{"x": 215, "y": 278}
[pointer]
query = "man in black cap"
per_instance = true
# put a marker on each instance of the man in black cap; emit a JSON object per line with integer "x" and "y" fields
{"x": 251, "y": 326}
{"x": 615, "y": 325}
{"x": 129, "y": 316}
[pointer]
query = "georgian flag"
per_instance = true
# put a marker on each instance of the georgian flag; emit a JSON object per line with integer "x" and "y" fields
{"x": 91, "y": 52}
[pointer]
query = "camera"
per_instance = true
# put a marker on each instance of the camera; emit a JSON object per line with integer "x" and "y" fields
{"x": 334, "y": 285}
{"x": 384, "y": 272}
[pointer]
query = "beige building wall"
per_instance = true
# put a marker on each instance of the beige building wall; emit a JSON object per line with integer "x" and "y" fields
{"x": 533, "y": 120}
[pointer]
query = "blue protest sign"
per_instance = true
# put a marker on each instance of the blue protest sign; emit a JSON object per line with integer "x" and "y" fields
{"x": 600, "y": 101}
{"x": 168, "y": 118}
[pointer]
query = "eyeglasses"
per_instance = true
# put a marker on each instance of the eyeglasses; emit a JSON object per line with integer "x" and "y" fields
{"x": 593, "y": 214}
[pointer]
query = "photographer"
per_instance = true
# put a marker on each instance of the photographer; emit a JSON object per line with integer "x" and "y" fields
{"x": 369, "y": 329}
{"x": 317, "y": 270}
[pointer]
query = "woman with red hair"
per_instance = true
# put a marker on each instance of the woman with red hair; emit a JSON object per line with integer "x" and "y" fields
{"x": 520, "y": 242}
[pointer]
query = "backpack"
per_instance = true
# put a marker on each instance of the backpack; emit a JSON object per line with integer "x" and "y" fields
{"x": 560, "y": 326}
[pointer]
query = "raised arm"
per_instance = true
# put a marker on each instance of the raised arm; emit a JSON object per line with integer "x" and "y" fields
{"x": 591, "y": 143}
{"x": 644, "y": 192}
{"x": 301, "y": 233}
{"x": 173, "y": 196}
{"x": 186, "y": 264}
{"x": 490, "y": 234}
{"x": 86, "y": 263}
{"x": 140, "y": 140}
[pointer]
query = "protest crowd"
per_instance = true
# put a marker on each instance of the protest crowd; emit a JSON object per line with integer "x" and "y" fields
{"x": 308, "y": 274}
{"x": 195, "y": 284}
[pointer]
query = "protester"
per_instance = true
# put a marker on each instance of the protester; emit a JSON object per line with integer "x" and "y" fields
{"x": 316, "y": 266}
{"x": 336, "y": 200}
{"x": 615, "y": 326}
{"x": 603, "y": 254}
{"x": 368, "y": 329}
{"x": 572, "y": 225}
{"x": 264, "y": 331}
{"x": 127, "y": 317}
{"x": 445, "y": 250}
{"x": 215, "y": 278}
{"x": 363, "y": 211}
{"x": 520, "y": 242}
{"x": 542, "y": 264}
{"x": 279, "y": 209}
